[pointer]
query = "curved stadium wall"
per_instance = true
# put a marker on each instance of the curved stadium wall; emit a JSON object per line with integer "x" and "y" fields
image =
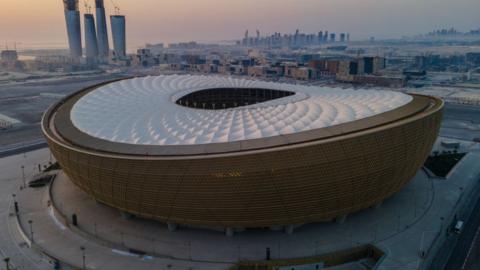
{"x": 294, "y": 179}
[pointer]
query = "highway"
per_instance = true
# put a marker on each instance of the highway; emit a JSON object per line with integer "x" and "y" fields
{"x": 19, "y": 148}
{"x": 28, "y": 101}
{"x": 461, "y": 122}
{"x": 464, "y": 254}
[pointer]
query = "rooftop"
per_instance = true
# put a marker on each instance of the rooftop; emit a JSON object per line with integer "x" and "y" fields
{"x": 192, "y": 110}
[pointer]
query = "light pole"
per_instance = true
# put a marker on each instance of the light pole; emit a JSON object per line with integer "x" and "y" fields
{"x": 30, "y": 222}
{"x": 7, "y": 263}
{"x": 23, "y": 176}
{"x": 15, "y": 203}
{"x": 82, "y": 248}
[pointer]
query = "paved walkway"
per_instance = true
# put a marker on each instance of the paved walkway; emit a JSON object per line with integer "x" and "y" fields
{"x": 12, "y": 245}
{"x": 187, "y": 248}
{"x": 372, "y": 225}
{"x": 403, "y": 226}
{"x": 60, "y": 242}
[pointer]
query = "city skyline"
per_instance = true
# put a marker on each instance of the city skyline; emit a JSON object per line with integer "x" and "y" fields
{"x": 216, "y": 20}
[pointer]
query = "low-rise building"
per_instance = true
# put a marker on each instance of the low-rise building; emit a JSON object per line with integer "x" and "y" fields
{"x": 303, "y": 73}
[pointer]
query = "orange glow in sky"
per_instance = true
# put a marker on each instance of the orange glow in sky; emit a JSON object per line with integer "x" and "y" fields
{"x": 42, "y": 21}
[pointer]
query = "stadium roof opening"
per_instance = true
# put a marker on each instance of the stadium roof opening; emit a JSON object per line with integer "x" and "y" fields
{"x": 226, "y": 98}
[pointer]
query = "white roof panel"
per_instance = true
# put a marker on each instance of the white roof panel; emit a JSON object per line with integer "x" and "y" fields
{"x": 143, "y": 110}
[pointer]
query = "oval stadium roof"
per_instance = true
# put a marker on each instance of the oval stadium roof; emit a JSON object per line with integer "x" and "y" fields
{"x": 145, "y": 111}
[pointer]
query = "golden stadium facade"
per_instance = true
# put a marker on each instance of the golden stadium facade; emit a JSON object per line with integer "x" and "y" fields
{"x": 231, "y": 153}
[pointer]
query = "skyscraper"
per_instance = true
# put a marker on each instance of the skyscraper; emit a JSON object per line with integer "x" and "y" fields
{"x": 246, "y": 39}
{"x": 72, "y": 19}
{"x": 332, "y": 37}
{"x": 102, "y": 34}
{"x": 91, "y": 44}
{"x": 119, "y": 36}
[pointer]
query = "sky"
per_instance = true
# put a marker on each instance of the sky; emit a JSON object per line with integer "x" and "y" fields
{"x": 41, "y": 22}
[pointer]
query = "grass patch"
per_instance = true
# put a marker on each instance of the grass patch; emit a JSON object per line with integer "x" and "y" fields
{"x": 442, "y": 164}
{"x": 52, "y": 167}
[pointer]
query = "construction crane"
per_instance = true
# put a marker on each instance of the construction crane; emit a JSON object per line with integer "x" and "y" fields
{"x": 88, "y": 8}
{"x": 15, "y": 45}
{"x": 115, "y": 6}
{"x": 6, "y": 47}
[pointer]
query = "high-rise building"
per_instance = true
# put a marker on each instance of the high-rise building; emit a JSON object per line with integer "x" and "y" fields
{"x": 72, "y": 18}
{"x": 379, "y": 63}
{"x": 320, "y": 37}
{"x": 102, "y": 34}
{"x": 91, "y": 45}
{"x": 296, "y": 38}
{"x": 342, "y": 37}
{"x": 9, "y": 55}
{"x": 332, "y": 37}
{"x": 119, "y": 36}
{"x": 257, "y": 40}
{"x": 246, "y": 39}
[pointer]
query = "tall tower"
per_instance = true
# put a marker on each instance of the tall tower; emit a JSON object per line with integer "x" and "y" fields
{"x": 119, "y": 36}
{"x": 102, "y": 34}
{"x": 320, "y": 37}
{"x": 72, "y": 18}
{"x": 91, "y": 44}
{"x": 246, "y": 39}
{"x": 332, "y": 37}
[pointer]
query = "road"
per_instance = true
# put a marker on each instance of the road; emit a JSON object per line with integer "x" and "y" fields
{"x": 461, "y": 122}
{"x": 472, "y": 261}
{"x": 463, "y": 256}
{"x": 22, "y": 147}
{"x": 28, "y": 101}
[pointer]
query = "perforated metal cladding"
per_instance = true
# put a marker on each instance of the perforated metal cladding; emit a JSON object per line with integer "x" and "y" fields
{"x": 303, "y": 183}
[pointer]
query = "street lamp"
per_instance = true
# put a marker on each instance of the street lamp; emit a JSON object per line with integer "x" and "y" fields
{"x": 15, "y": 203}
{"x": 7, "y": 263}
{"x": 82, "y": 248}
{"x": 30, "y": 222}
{"x": 23, "y": 176}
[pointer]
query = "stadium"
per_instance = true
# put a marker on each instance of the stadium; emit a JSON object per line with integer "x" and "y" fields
{"x": 228, "y": 153}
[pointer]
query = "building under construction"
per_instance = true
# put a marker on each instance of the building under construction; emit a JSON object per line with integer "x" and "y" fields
{"x": 102, "y": 34}
{"x": 72, "y": 18}
{"x": 91, "y": 45}
{"x": 96, "y": 34}
{"x": 119, "y": 36}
